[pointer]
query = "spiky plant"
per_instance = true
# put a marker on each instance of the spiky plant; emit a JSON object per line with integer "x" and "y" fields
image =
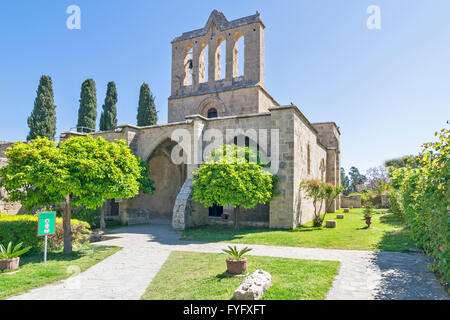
{"x": 9, "y": 252}
{"x": 236, "y": 254}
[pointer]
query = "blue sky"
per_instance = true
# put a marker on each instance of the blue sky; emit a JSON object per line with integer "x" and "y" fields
{"x": 388, "y": 90}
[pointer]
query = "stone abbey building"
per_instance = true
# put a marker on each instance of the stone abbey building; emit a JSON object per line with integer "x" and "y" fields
{"x": 204, "y": 96}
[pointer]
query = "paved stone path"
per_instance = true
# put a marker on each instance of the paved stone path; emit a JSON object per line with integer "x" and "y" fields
{"x": 126, "y": 274}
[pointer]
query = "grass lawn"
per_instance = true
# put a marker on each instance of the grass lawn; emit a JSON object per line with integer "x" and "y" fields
{"x": 350, "y": 233}
{"x": 32, "y": 273}
{"x": 201, "y": 276}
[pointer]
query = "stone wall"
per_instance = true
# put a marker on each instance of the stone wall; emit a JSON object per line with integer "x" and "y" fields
{"x": 310, "y": 157}
{"x": 235, "y": 101}
{"x": 329, "y": 136}
{"x": 352, "y": 201}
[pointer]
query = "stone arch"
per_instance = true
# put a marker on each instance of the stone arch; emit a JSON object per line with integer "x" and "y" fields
{"x": 203, "y": 63}
{"x": 218, "y": 58}
{"x": 237, "y": 69}
{"x": 188, "y": 65}
{"x": 168, "y": 177}
{"x": 211, "y": 103}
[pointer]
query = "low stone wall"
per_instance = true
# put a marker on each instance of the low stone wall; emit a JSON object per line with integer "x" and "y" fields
{"x": 353, "y": 201}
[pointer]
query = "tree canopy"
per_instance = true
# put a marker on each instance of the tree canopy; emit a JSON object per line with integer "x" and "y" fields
{"x": 227, "y": 179}
{"x": 81, "y": 171}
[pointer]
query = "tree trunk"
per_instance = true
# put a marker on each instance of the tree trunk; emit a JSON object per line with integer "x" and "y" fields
{"x": 236, "y": 217}
{"x": 102, "y": 220}
{"x": 67, "y": 213}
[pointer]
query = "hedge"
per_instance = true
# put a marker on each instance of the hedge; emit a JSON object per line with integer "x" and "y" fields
{"x": 23, "y": 228}
{"x": 424, "y": 200}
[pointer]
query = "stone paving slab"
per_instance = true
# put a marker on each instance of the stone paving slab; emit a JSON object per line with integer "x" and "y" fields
{"x": 363, "y": 275}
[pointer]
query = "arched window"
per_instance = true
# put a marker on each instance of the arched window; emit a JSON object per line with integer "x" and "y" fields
{"x": 188, "y": 66}
{"x": 203, "y": 63}
{"x": 238, "y": 55}
{"x": 220, "y": 59}
{"x": 212, "y": 113}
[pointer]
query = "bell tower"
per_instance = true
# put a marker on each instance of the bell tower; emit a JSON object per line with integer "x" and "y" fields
{"x": 199, "y": 79}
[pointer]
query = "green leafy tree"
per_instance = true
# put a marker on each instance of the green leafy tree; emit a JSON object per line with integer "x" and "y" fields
{"x": 87, "y": 113}
{"x": 405, "y": 161}
{"x": 356, "y": 179}
{"x": 108, "y": 118}
{"x": 322, "y": 194}
{"x": 82, "y": 171}
{"x": 345, "y": 181}
{"x": 147, "y": 115}
{"x": 229, "y": 179}
{"x": 42, "y": 121}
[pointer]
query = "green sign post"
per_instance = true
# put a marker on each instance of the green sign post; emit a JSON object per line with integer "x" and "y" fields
{"x": 46, "y": 227}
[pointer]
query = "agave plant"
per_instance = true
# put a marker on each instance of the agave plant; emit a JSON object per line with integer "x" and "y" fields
{"x": 236, "y": 254}
{"x": 9, "y": 252}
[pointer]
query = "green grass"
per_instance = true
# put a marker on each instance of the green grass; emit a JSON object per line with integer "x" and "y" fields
{"x": 351, "y": 233}
{"x": 32, "y": 273}
{"x": 202, "y": 276}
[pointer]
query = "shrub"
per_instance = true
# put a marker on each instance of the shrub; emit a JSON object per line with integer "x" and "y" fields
{"x": 23, "y": 228}
{"x": 91, "y": 216}
{"x": 424, "y": 195}
{"x": 395, "y": 201}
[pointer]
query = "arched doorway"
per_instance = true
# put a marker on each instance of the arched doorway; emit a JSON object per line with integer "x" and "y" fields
{"x": 169, "y": 179}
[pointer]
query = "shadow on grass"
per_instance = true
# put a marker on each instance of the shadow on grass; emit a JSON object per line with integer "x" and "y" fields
{"x": 396, "y": 240}
{"x": 218, "y": 234}
{"x": 38, "y": 257}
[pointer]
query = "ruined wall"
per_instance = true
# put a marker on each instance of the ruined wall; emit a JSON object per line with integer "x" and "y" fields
{"x": 351, "y": 202}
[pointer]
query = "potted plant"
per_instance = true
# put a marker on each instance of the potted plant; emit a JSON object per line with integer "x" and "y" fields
{"x": 368, "y": 211}
{"x": 10, "y": 257}
{"x": 236, "y": 263}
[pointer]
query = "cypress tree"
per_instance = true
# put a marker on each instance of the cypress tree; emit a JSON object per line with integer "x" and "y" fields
{"x": 87, "y": 113}
{"x": 108, "y": 119}
{"x": 146, "y": 110}
{"x": 42, "y": 121}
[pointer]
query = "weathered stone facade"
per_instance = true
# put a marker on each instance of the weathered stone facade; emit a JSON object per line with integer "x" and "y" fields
{"x": 225, "y": 101}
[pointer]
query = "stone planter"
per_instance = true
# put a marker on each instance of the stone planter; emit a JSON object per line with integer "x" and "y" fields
{"x": 368, "y": 220}
{"x": 9, "y": 264}
{"x": 236, "y": 266}
{"x": 331, "y": 223}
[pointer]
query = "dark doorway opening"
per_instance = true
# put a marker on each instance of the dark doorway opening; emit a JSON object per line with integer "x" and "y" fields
{"x": 215, "y": 211}
{"x": 114, "y": 208}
